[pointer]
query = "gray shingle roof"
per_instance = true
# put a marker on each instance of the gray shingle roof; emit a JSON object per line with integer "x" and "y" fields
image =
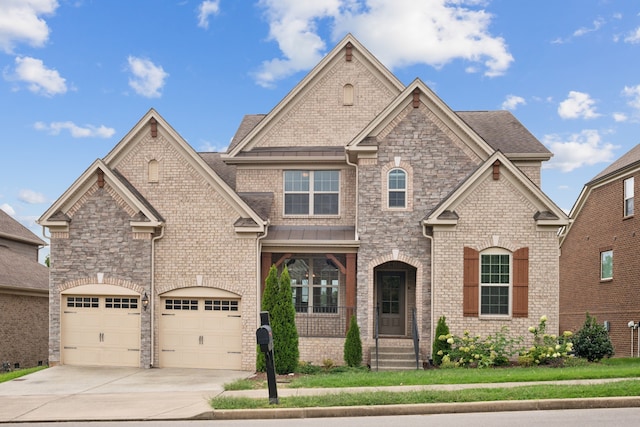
{"x": 224, "y": 171}
{"x": 12, "y": 229}
{"x": 629, "y": 158}
{"x": 502, "y": 131}
{"x": 246, "y": 125}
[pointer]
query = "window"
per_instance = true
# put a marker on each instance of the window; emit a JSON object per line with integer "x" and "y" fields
{"x": 220, "y": 305}
{"x": 86, "y": 302}
{"x": 397, "y": 185}
{"x": 311, "y": 192}
{"x": 315, "y": 283}
{"x": 606, "y": 265}
{"x": 495, "y": 281}
{"x": 628, "y": 197}
{"x": 117, "y": 302}
{"x": 180, "y": 304}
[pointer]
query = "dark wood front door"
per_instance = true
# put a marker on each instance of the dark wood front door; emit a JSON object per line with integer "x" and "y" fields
{"x": 391, "y": 302}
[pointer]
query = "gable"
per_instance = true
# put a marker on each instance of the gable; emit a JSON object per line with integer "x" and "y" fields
{"x": 343, "y": 93}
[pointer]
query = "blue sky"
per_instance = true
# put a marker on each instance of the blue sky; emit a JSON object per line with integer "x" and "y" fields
{"x": 78, "y": 74}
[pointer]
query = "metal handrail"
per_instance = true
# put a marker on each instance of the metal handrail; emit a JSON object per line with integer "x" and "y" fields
{"x": 416, "y": 338}
{"x": 377, "y": 335}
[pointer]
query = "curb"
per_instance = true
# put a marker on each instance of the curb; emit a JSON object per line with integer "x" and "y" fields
{"x": 421, "y": 409}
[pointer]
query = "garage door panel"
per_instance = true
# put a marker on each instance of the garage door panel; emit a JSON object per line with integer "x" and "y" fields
{"x": 202, "y": 333}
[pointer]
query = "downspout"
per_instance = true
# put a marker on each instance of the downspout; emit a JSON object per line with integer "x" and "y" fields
{"x": 258, "y": 269}
{"x": 355, "y": 165}
{"x": 153, "y": 292}
{"x": 424, "y": 233}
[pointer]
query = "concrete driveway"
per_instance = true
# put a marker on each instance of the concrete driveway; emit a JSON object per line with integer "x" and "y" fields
{"x": 64, "y": 393}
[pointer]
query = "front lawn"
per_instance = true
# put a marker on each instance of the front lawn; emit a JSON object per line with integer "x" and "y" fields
{"x": 8, "y": 376}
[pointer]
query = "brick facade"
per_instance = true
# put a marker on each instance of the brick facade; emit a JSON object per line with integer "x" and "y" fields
{"x": 24, "y": 338}
{"x": 599, "y": 226}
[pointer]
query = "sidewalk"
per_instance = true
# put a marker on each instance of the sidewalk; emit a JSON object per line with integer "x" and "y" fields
{"x": 67, "y": 393}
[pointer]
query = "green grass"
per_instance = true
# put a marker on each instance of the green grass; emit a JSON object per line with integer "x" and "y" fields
{"x": 536, "y": 392}
{"x": 8, "y": 376}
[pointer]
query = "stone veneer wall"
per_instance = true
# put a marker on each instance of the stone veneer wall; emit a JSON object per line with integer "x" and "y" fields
{"x": 199, "y": 244}
{"x": 24, "y": 332}
{"x": 438, "y": 161}
{"x": 496, "y": 214}
{"x": 99, "y": 241}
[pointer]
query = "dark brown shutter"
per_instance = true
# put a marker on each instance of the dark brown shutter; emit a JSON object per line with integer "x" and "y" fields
{"x": 471, "y": 282}
{"x": 521, "y": 283}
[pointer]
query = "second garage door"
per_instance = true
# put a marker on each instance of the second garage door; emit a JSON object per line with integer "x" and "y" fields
{"x": 201, "y": 332}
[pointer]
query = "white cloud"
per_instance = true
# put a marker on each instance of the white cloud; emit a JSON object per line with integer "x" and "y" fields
{"x": 577, "y": 105}
{"x": 399, "y": 32}
{"x": 31, "y": 197}
{"x": 206, "y": 9}
{"x": 8, "y": 209}
{"x": 512, "y": 102}
{"x": 86, "y": 131}
{"x": 148, "y": 78}
{"x": 580, "y": 149}
{"x": 39, "y": 79}
{"x": 633, "y": 92}
{"x": 585, "y": 30}
{"x": 620, "y": 117}
{"x": 20, "y": 21}
{"x": 633, "y": 37}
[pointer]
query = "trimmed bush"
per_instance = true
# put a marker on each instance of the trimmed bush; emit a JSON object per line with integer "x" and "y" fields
{"x": 440, "y": 346}
{"x": 353, "y": 345}
{"x": 283, "y": 324}
{"x": 269, "y": 297}
{"x": 592, "y": 342}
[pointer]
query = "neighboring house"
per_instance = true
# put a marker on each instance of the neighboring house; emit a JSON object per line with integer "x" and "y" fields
{"x": 599, "y": 260}
{"x": 24, "y": 297}
{"x": 376, "y": 196}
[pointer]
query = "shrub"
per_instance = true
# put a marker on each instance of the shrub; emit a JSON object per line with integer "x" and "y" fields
{"x": 285, "y": 334}
{"x": 269, "y": 297}
{"x": 440, "y": 346}
{"x": 592, "y": 342}
{"x": 547, "y": 348}
{"x": 474, "y": 351}
{"x": 353, "y": 345}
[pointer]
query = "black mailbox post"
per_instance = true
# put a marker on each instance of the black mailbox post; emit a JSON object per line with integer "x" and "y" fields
{"x": 264, "y": 337}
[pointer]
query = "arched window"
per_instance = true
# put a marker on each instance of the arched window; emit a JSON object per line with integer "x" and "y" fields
{"x": 348, "y": 94}
{"x": 154, "y": 171}
{"x": 397, "y": 187}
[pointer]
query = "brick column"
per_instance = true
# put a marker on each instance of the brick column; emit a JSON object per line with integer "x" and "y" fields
{"x": 351, "y": 287}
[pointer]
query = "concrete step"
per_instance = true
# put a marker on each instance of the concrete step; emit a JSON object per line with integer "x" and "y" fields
{"x": 393, "y": 358}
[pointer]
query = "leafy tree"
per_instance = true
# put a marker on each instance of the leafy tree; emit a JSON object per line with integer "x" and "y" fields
{"x": 269, "y": 298}
{"x": 353, "y": 344}
{"x": 440, "y": 346}
{"x": 283, "y": 324}
{"x": 592, "y": 342}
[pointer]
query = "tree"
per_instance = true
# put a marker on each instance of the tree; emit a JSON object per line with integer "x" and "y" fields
{"x": 440, "y": 346}
{"x": 269, "y": 298}
{"x": 283, "y": 325}
{"x": 353, "y": 344}
{"x": 592, "y": 342}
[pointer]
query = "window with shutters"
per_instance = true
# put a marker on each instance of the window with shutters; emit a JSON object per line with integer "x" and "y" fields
{"x": 496, "y": 282}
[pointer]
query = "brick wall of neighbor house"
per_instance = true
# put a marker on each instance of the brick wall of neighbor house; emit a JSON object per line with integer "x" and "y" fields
{"x": 439, "y": 161}
{"x": 327, "y": 121}
{"x": 496, "y": 214}
{"x": 600, "y": 226}
{"x": 199, "y": 232}
{"x": 99, "y": 241}
{"x": 271, "y": 180}
{"x": 23, "y": 339}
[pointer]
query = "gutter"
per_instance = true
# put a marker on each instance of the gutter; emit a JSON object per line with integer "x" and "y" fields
{"x": 424, "y": 233}
{"x": 152, "y": 297}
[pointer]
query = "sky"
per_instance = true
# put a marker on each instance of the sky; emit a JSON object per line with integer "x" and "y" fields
{"x": 77, "y": 75}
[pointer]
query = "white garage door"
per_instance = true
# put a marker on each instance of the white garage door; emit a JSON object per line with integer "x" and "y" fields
{"x": 201, "y": 332}
{"x": 100, "y": 330}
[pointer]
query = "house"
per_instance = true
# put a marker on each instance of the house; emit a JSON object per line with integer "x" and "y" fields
{"x": 24, "y": 297}
{"x": 599, "y": 260}
{"x": 381, "y": 201}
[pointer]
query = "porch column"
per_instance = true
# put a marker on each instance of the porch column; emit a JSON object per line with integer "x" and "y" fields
{"x": 351, "y": 287}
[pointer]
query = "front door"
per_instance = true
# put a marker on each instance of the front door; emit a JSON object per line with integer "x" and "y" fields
{"x": 391, "y": 304}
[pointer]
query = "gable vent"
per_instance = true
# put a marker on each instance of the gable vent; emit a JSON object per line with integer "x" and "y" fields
{"x": 154, "y": 127}
{"x": 496, "y": 170}
{"x": 349, "y": 54}
{"x": 416, "y": 98}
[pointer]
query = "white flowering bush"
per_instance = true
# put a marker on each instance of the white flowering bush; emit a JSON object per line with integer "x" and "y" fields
{"x": 477, "y": 352}
{"x": 547, "y": 349}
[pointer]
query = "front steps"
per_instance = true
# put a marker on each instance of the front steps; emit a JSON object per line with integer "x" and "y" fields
{"x": 393, "y": 358}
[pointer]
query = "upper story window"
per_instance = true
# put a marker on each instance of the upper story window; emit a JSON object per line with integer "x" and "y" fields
{"x": 311, "y": 192}
{"x": 397, "y": 187}
{"x": 606, "y": 265}
{"x": 628, "y": 197}
{"x": 495, "y": 282}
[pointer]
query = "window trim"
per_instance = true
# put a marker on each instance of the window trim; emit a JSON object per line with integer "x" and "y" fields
{"x": 403, "y": 190}
{"x": 602, "y": 254}
{"x": 308, "y": 283}
{"x": 509, "y": 286}
{"x": 628, "y": 197}
{"x": 311, "y": 192}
